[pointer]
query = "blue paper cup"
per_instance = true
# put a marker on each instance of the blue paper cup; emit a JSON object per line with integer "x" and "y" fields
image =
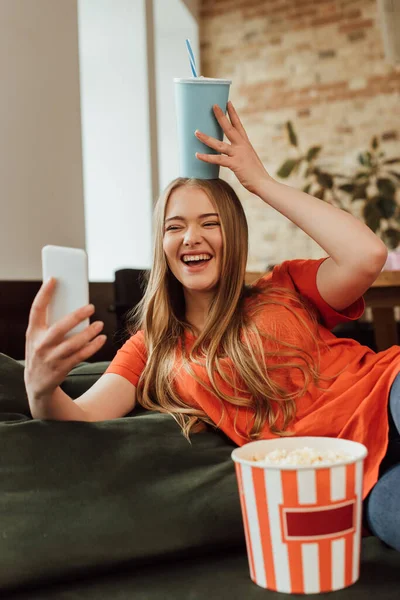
{"x": 194, "y": 100}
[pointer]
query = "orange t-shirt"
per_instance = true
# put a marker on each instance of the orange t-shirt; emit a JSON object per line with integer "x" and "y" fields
{"x": 353, "y": 405}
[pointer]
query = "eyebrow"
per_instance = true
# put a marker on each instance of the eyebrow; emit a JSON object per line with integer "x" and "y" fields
{"x": 178, "y": 218}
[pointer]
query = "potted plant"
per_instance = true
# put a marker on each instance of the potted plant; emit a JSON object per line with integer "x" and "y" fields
{"x": 374, "y": 181}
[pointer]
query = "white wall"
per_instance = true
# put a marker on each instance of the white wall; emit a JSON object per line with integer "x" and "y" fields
{"x": 115, "y": 133}
{"x": 41, "y": 197}
{"x": 173, "y": 24}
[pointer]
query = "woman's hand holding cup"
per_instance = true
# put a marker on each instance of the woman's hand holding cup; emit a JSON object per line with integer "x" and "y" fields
{"x": 238, "y": 155}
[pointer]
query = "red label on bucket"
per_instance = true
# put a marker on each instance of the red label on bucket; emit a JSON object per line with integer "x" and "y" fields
{"x": 311, "y": 522}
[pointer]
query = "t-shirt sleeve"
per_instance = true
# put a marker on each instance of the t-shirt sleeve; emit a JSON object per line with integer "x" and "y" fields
{"x": 301, "y": 275}
{"x": 131, "y": 359}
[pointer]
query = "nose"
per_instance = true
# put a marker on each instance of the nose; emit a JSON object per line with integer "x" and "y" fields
{"x": 192, "y": 236}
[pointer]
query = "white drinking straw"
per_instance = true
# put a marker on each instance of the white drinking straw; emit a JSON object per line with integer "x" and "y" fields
{"x": 191, "y": 58}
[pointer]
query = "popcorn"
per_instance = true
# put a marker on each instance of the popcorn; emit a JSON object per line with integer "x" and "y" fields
{"x": 304, "y": 457}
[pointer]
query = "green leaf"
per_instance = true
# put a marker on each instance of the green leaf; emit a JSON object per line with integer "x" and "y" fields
{"x": 361, "y": 175}
{"x": 320, "y": 193}
{"x": 347, "y": 187}
{"x": 374, "y": 143}
{"x": 291, "y": 133}
{"x": 387, "y": 206}
{"x": 325, "y": 180}
{"x": 391, "y": 237}
{"x": 286, "y": 169}
{"x": 307, "y": 188}
{"x": 391, "y": 161}
{"x": 372, "y": 216}
{"x": 360, "y": 192}
{"x": 310, "y": 171}
{"x": 297, "y": 165}
{"x": 313, "y": 152}
{"x": 386, "y": 187}
{"x": 365, "y": 159}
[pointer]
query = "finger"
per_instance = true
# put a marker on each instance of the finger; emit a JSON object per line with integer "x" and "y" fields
{"x": 214, "y": 143}
{"x": 86, "y": 352}
{"x": 37, "y": 314}
{"x": 77, "y": 341}
{"x": 227, "y": 127}
{"x": 215, "y": 159}
{"x": 58, "y": 331}
{"x": 236, "y": 122}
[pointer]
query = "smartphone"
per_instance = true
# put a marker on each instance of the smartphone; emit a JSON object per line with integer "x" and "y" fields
{"x": 70, "y": 267}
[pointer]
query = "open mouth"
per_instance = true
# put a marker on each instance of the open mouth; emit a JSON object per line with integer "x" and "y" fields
{"x": 196, "y": 263}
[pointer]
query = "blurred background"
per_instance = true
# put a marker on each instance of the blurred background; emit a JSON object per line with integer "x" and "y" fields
{"x": 88, "y": 134}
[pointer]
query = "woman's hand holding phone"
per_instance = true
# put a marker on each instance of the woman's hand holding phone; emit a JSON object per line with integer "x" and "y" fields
{"x": 49, "y": 355}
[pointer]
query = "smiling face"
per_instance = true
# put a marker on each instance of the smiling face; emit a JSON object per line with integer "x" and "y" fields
{"x": 192, "y": 239}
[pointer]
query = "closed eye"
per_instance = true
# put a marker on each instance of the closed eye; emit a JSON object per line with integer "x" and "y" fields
{"x": 208, "y": 224}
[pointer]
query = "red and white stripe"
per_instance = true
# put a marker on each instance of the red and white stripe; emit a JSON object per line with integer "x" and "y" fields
{"x": 300, "y": 526}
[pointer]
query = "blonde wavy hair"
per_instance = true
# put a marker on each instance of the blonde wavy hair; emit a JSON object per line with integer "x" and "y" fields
{"x": 229, "y": 332}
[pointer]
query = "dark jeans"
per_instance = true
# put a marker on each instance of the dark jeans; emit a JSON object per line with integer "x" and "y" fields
{"x": 382, "y": 506}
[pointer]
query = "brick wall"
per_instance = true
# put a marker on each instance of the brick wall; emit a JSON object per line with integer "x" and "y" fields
{"x": 318, "y": 63}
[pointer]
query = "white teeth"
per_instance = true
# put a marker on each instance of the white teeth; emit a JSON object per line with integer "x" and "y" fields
{"x": 196, "y": 257}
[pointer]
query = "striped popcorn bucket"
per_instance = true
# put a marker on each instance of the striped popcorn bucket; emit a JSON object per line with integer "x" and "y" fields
{"x": 302, "y": 523}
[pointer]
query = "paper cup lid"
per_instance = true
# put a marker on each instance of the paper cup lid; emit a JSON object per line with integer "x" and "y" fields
{"x": 202, "y": 80}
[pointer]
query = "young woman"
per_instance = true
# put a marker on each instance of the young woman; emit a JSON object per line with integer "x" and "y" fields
{"x": 256, "y": 361}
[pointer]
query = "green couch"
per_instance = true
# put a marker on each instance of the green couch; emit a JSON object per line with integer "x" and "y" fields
{"x": 128, "y": 509}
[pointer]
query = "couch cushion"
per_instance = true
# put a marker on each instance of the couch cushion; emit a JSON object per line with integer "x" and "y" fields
{"x": 76, "y": 496}
{"x": 220, "y": 575}
{"x": 13, "y": 398}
